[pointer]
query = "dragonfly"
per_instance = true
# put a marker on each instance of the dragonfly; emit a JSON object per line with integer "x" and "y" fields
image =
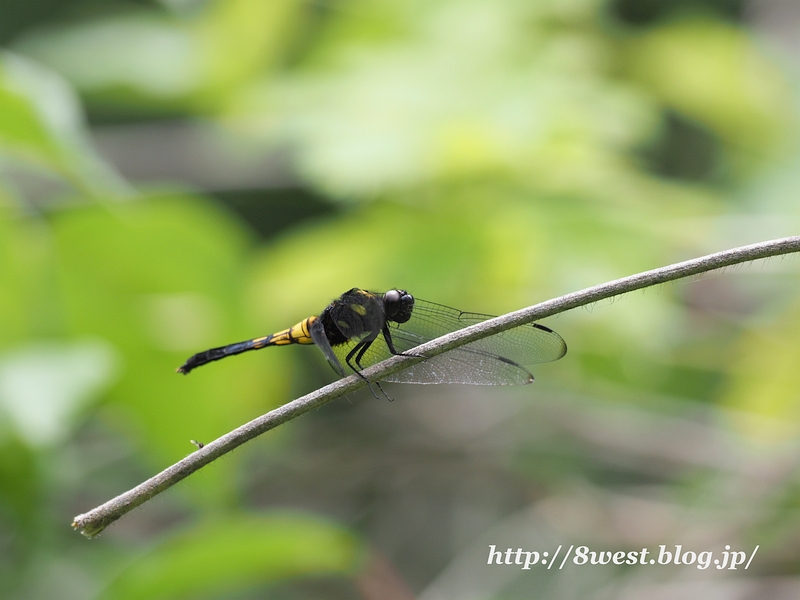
{"x": 362, "y": 328}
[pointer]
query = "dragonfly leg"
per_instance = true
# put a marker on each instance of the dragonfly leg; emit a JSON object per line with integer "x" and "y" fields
{"x": 361, "y": 349}
{"x": 377, "y": 383}
{"x": 387, "y": 335}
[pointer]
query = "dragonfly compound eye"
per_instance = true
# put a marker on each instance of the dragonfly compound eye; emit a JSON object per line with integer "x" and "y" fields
{"x": 392, "y": 296}
{"x": 397, "y": 305}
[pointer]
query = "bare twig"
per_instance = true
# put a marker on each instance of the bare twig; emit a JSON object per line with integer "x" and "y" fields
{"x": 94, "y": 521}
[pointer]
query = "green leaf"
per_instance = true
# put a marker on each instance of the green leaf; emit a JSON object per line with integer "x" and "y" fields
{"x": 41, "y": 123}
{"x": 148, "y": 60}
{"x": 22, "y": 130}
{"x": 715, "y": 74}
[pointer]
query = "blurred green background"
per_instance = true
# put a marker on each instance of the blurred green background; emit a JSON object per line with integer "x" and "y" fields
{"x": 181, "y": 174}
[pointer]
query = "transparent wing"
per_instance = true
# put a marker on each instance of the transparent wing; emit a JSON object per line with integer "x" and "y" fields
{"x": 497, "y": 360}
{"x": 526, "y": 345}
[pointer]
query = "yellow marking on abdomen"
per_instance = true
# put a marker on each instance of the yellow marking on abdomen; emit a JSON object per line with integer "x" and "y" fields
{"x": 296, "y": 334}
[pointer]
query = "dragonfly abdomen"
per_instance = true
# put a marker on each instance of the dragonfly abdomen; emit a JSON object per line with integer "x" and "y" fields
{"x": 297, "y": 334}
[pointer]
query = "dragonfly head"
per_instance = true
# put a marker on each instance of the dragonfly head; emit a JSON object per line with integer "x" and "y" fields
{"x": 398, "y": 305}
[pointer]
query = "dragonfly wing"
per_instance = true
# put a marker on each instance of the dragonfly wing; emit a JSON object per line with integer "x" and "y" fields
{"x": 459, "y": 366}
{"x": 499, "y": 359}
{"x": 317, "y": 332}
{"x": 525, "y": 345}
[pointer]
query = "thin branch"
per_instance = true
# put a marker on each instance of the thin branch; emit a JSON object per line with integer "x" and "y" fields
{"x": 94, "y": 521}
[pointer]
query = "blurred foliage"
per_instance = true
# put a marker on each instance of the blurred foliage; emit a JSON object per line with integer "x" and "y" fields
{"x": 237, "y": 553}
{"x": 482, "y": 154}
